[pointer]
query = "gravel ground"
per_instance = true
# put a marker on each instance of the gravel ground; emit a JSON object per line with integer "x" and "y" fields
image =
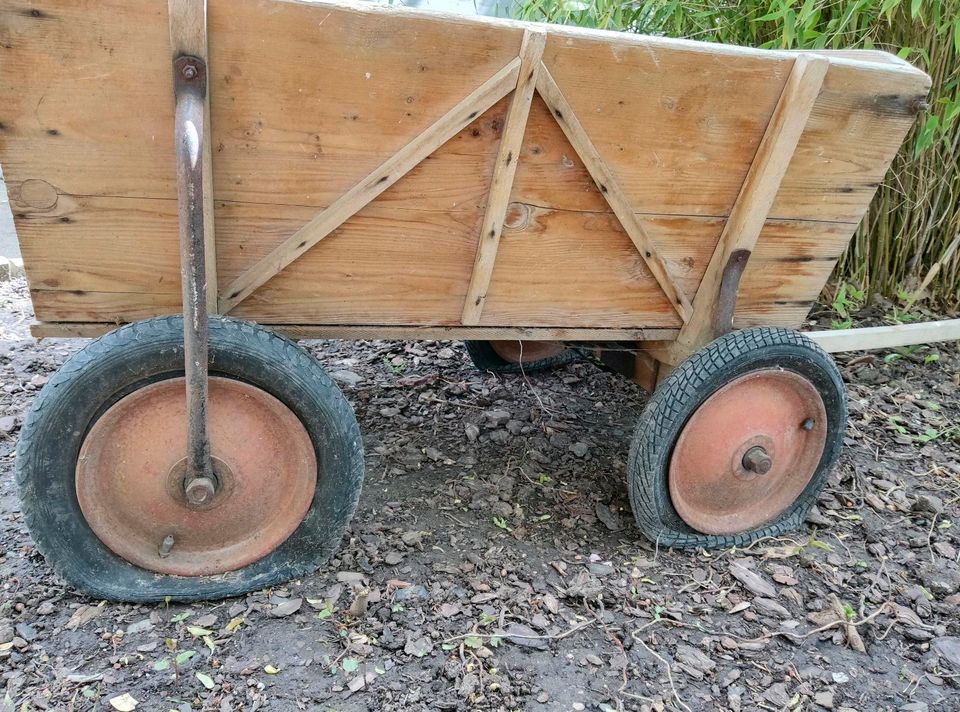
{"x": 493, "y": 564}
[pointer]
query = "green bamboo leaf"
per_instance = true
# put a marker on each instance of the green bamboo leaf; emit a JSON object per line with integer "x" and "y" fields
{"x": 956, "y": 34}
{"x": 915, "y": 8}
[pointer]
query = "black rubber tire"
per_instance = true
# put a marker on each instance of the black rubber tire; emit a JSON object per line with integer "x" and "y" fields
{"x": 146, "y": 352}
{"x": 486, "y": 359}
{"x": 684, "y": 390}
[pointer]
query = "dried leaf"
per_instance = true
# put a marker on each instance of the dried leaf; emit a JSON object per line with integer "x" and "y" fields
{"x": 84, "y": 615}
{"x": 233, "y": 625}
{"x": 287, "y": 608}
{"x": 124, "y": 703}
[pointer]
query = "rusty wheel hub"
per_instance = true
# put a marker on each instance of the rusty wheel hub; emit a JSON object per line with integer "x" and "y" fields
{"x": 522, "y": 352}
{"x": 748, "y": 452}
{"x": 132, "y": 485}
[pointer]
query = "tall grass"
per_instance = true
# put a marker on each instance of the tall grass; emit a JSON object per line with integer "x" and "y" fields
{"x": 908, "y": 246}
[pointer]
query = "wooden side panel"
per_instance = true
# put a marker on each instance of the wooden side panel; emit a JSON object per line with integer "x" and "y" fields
{"x": 307, "y": 98}
{"x": 678, "y": 129}
{"x": 852, "y": 135}
{"x": 787, "y": 270}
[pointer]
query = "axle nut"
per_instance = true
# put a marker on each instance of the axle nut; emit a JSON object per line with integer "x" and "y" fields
{"x": 200, "y": 490}
{"x": 757, "y": 460}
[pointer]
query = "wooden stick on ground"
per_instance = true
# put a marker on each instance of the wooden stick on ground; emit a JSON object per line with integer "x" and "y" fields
{"x": 508, "y": 156}
{"x": 384, "y": 176}
{"x": 887, "y": 337}
{"x": 610, "y": 188}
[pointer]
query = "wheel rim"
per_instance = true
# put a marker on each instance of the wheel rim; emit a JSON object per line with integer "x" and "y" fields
{"x": 129, "y": 478}
{"x": 521, "y": 352}
{"x": 748, "y": 452}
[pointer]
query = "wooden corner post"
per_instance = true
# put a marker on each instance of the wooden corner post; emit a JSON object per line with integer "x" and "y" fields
{"x": 188, "y": 38}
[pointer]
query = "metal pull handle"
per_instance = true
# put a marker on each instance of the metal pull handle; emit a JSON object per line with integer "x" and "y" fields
{"x": 190, "y": 83}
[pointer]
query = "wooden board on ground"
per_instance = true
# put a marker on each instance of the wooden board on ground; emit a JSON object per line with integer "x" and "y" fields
{"x": 308, "y": 100}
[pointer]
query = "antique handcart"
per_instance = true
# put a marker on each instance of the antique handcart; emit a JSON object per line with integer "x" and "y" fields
{"x": 329, "y": 170}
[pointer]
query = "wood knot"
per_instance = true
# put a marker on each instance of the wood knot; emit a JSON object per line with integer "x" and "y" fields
{"x": 37, "y": 194}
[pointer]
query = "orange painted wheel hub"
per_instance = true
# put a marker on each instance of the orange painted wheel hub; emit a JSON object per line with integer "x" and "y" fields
{"x": 748, "y": 452}
{"x": 522, "y": 352}
{"x": 131, "y": 473}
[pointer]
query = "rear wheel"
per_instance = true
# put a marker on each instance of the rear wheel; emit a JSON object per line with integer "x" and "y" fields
{"x": 519, "y": 356}
{"x": 101, "y": 465}
{"x": 737, "y": 442}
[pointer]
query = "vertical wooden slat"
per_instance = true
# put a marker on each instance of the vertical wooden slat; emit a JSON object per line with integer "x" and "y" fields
{"x": 759, "y": 190}
{"x": 606, "y": 182}
{"x": 188, "y": 36}
{"x": 384, "y": 176}
{"x": 508, "y": 155}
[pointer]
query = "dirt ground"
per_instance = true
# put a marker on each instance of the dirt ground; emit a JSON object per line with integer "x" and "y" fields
{"x": 504, "y": 572}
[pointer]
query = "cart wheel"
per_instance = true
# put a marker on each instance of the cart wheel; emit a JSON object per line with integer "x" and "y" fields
{"x": 100, "y": 465}
{"x": 519, "y": 356}
{"x": 737, "y": 442}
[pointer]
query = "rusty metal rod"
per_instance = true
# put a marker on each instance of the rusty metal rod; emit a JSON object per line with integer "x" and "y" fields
{"x": 190, "y": 82}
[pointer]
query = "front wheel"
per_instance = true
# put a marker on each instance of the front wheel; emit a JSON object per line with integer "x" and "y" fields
{"x": 101, "y": 465}
{"x": 737, "y": 442}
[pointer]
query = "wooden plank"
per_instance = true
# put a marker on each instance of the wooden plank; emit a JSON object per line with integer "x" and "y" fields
{"x": 887, "y": 337}
{"x": 50, "y": 329}
{"x": 553, "y": 265}
{"x": 388, "y": 173}
{"x": 188, "y": 36}
{"x": 788, "y": 268}
{"x": 504, "y": 171}
{"x": 610, "y": 188}
{"x": 759, "y": 190}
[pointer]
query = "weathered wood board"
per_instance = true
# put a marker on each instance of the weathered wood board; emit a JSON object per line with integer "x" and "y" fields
{"x": 307, "y": 99}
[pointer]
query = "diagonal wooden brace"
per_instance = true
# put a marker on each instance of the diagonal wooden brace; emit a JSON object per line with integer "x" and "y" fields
{"x": 750, "y": 211}
{"x": 504, "y": 171}
{"x": 610, "y": 189}
{"x": 361, "y": 194}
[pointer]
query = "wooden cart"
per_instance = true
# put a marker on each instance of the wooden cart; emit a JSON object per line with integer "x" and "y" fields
{"x": 329, "y": 170}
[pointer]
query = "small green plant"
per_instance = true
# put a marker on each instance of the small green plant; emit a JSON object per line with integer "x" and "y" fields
{"x": 396, "y": 365}
{"x": 895, "y": 422}
{"x": 847, "y": 301}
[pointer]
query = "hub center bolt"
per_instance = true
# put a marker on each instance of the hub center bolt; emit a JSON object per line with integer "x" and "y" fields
{"x": 757, "y": 460}
{"x": 200, "y": 490}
